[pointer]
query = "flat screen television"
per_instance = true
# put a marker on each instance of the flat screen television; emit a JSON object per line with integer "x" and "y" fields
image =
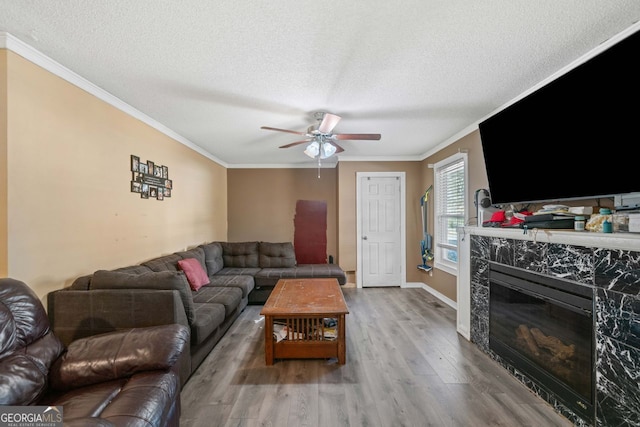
{"x": 573, "y": 138}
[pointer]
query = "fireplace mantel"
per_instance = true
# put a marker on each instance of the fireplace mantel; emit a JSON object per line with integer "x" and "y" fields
{"x": 607, "y": 263}
{"x": 617, "y": 241}
{"x": 625, "y": 241}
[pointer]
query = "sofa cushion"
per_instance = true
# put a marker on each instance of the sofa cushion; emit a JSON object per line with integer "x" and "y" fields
{"x": 196, "y": 275}
{"x": 238, "y": 271}
{"x": 22, "y": 382}
{"x": 81, "y": 283}
{"x": 197, "y": 253}
{"x": 240, "y": 254}
{"x": 244, "y": 282}
{"x": 270, "y": 276}
{"x": 23, "y": 370}
{"x": 104, "y": 279}
{"x": 227, "y": 296}
{"x": 164, "y": 263}
{"x": 274, "y": 255}
{"x": 28, "y": 347}
{"x": 117, "y": 354}
{"x": 144, "y": 399}
{"x": 134, "y": 269}
{"x": 209, "y": 317}
{"x": 213, "y": 257}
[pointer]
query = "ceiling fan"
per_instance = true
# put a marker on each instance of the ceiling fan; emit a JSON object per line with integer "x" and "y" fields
{"x": 321, "y": 140}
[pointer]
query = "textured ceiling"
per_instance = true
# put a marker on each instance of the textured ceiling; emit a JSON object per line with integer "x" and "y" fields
{"x": 419, "y": 72}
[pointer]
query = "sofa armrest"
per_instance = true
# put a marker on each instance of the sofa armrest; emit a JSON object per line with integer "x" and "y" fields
{"x": 78, "y": 314}
{"x": 119, "y": 354}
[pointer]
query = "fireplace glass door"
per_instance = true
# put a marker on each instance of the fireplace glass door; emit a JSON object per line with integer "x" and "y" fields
{"x": 546, "y": 333}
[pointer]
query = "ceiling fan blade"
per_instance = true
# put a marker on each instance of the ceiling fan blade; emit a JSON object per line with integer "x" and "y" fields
{"x": 356, "y": 136}
{"x": 329, "y": 121}
{"x": 283, "y": 130}
{"x": 339, "y": 149}
{"x": 296, "y": 143}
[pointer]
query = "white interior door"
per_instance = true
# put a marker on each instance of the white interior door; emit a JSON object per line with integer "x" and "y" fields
{"x": 381, "y": 250}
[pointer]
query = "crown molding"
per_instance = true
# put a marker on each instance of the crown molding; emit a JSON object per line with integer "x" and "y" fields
{"x": 15, "y": 45}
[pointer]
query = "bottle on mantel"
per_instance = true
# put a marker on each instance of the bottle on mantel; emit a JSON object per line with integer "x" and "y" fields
{"x": 607, "y": 225}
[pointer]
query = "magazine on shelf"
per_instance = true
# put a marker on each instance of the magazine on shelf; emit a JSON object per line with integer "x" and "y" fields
{"x": 330, "y": 333}
{"x": 279, "y": 332}
{"x": 282, "y": 332}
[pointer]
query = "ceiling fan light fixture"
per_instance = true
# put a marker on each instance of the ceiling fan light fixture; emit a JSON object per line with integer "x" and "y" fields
{"x": 312, "y": 149}
{"x": 327, "y": 150}
{"x": 321, "y": 140}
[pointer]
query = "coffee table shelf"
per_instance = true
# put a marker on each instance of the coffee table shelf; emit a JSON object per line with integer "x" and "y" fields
{"x": 297, "y": 308}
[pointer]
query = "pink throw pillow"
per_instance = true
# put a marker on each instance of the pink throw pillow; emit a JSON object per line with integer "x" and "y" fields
{"x": 196, "y": 276}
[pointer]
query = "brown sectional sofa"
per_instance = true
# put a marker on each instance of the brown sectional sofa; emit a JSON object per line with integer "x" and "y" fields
{"x": 158, "y": 292}
{"x": 269, "y": 262}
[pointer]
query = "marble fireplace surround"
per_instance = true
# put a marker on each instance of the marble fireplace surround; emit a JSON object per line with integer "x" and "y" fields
{"x": 607, "y": 263}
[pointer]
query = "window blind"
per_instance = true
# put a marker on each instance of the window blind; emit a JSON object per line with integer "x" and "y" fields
{"x": 450, "y": 193}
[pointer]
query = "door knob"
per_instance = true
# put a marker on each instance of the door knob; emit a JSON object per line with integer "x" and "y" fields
{"x": 364, "y": 238}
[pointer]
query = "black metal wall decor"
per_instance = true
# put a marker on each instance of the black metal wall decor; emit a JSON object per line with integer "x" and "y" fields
{"x": 150, "y": 180}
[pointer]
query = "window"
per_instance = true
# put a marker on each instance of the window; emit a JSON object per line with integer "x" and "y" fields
{"x": 450, "y": 184}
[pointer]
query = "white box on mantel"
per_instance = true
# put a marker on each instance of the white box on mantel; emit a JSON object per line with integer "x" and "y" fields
{"x": 634, "y": 222}
{"x": 581, "y": 210}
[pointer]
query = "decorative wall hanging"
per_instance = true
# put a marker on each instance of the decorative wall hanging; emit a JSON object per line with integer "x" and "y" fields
{"x": 150, "y": 180}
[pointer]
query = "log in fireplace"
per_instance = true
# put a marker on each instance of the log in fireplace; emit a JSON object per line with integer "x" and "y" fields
{"x": 544, "y": 327}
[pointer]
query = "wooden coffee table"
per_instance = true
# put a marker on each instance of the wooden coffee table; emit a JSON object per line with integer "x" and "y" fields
{"x": 302, "y": 312}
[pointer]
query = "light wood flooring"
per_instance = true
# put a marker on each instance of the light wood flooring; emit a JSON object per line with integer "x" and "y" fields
{"x": 406, "y": 366}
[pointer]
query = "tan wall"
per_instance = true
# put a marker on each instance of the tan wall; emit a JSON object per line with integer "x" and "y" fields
{"x": 66, "y": 208}
{"x": 262, "y": 203}
{"x": 3, "y": 164}
{"x": 347, "y": 221}
{"x": 439, "y": 280}
{"x": 477, "y": 177}
{"x": 70, "y": 208}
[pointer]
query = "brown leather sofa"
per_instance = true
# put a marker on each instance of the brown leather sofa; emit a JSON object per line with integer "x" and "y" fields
{"x": 118, "y": 378}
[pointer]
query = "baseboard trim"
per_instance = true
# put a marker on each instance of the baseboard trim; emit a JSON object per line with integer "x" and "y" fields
{"x": 448, "y": 301}
{"x": 412, "y": 285}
